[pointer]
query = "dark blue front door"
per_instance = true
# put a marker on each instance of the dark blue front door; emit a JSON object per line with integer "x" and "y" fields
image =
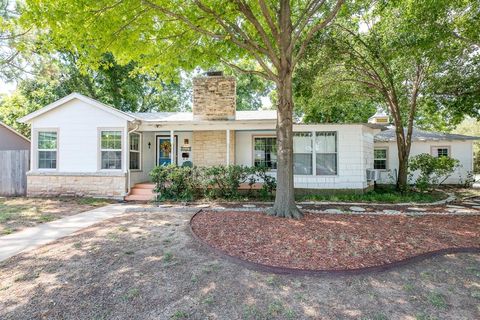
{"x": 164, "y": 150}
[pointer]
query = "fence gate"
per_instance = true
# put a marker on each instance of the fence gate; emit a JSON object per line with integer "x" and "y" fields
{"x": 13, "y": 167}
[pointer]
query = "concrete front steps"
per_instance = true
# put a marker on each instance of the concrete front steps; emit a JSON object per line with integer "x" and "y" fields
{"x": 142, "y": 192}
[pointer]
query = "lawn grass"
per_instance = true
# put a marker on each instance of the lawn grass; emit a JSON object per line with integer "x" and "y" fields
{"x": 17, "y": 213}
{"x": 380, "y": 195}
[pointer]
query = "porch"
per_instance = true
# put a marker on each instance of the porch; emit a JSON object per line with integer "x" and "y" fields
{"x": 148, "y": 149}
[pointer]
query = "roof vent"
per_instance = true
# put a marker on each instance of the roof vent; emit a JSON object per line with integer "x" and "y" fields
{"x": 214, "y": 73}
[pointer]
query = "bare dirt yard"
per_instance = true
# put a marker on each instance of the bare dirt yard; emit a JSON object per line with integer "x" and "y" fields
{"x": 147, "y": 266}
{"x": 335, "y": 242}
{"x": 17, "y": 213}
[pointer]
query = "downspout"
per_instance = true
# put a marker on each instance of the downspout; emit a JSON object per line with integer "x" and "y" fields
{"x": 137, "y": 125}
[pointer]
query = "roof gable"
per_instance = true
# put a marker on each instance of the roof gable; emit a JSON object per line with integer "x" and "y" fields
{"x": 14, "y": 131}
{"x": 80, "y": 97}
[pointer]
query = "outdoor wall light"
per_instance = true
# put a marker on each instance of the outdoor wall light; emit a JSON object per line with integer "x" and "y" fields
{"x": 149, "y": 145}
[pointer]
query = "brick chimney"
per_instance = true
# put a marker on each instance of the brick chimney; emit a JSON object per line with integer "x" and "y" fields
{"x": 214, "y": 97}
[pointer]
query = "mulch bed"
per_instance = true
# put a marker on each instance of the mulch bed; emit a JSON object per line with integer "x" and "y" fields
{"x": 333, "y": 242}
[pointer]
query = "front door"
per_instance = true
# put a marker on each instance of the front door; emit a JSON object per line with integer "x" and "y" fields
{"x": 164, "y": 151}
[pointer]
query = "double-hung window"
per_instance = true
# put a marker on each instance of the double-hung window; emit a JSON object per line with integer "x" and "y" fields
{"x": 441, "y": 152}
{"x": 302, "y": 153}
{"x": 380, "y": 159}
{"x": 135, "y": 142}
{"x": 326, "y": 153}
{"x": 47, "y": 149}
{"x": 265, "y": 152}
{"x": 111, "y": 150}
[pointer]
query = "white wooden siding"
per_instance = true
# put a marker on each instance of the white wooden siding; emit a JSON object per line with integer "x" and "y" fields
{"x": 78, "y": 123}
{"x": 353, "y": 144}
{"x": 460, "y": 150}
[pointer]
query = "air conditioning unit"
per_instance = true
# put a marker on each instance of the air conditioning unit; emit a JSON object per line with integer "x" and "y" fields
{"x": 373, "y": 175}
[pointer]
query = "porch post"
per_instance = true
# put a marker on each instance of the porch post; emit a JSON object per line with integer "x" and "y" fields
{"x": 228, "y": 147}
{"x": 172, "y": 148}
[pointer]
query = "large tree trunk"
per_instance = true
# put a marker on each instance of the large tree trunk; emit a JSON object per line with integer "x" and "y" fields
{"x": 284, "y": 205}
{"x": 403, "y": 149}
{"x": 402, "y": 179}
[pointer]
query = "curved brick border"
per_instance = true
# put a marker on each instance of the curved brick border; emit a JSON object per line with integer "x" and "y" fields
{"x": 326, "y": 272}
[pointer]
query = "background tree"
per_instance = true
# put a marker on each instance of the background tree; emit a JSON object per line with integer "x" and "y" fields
{"x": 170, "y": 35}
{"x": 391, "y": 53}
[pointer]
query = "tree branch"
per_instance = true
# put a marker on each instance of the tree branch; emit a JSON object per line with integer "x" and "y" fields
{"x": 314, "y": 30}
{"x": 248, "y": 13}
{"x": 269, "y": 19}
{"x": 242, "y": 70}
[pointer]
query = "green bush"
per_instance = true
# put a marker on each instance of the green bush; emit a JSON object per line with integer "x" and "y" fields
{"x": 175, "y": 183}
{"x": 224, "y": 181}
{"x": 433, "y": 170}
{"x": 219, "y": 182}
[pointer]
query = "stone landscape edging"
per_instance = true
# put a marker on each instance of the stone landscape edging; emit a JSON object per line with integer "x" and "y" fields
{"x": 325, "y": 272}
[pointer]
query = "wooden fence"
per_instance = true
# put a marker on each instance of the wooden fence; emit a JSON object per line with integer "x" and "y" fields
{"x": 13, "y": 167}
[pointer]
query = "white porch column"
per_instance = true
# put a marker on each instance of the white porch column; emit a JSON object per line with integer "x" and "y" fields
{"x": 228, "y": 147}
{"x": 172, "y": 148}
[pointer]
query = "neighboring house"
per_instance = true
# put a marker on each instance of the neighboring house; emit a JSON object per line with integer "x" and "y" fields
{"x": 14, "y": 161}
{"x": 84, "y": 147}
{"x": 11, "y": 139}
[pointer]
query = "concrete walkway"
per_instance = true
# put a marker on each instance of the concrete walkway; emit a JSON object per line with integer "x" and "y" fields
{"x": 34, "y": 237}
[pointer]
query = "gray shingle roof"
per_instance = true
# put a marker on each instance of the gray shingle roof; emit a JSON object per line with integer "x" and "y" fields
{"x": 421, "y": 135}
{"x": 188, "y": 116}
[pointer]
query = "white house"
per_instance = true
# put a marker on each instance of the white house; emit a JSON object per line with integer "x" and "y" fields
{"x": 81, "y": 146}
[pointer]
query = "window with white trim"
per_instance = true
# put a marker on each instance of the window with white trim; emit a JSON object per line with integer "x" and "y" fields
{"x": 111, "y": 150}
{"x": 326, "y": 153}
{"x": 47, "y": 149}
{"x": 135, "y": 151}
{"x": 441, "y": 152}
{"x": 302, "y": 153}
{"x": 265, "y": 152}
{"x": 380, "y": 159}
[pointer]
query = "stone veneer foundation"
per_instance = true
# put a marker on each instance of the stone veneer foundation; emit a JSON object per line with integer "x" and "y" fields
{"x": 210, "y": 148}
{"x": 104, "y": 185}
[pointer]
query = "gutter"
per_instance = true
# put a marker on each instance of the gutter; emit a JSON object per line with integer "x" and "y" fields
{"x": 137, "y": 125}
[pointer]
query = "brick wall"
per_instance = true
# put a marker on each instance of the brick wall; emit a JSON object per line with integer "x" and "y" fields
{"x": 214, "y": 98}
{"x": 105, "y": 186}
{"x": 209, "y": 148}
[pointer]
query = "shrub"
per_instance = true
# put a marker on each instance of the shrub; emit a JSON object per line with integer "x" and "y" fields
{"x": 433, "y": 171}
{"x": 223, "y": 181}
{"x": 189, "y": 183}
{"x": 269, "y": 182}
{"x": 175, "y": 183}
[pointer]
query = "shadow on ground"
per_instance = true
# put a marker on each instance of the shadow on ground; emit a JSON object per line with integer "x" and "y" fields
{"x": 147, "y": 266}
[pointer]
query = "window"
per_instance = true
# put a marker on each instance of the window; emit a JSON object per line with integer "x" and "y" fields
{"x": 380, "y": 159}
{"x": 265, "y": 152}
{"x": 302, "y": 153}
{"x": 111, "y": 150}
{"x": 441, "y": 152}
{"x": 135, "y": 151}
{"x": 47, "y": 150}
{"x": 326, "y": 153}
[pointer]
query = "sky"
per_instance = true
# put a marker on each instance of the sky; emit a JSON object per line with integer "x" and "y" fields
{"x": 7, "y": 87}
